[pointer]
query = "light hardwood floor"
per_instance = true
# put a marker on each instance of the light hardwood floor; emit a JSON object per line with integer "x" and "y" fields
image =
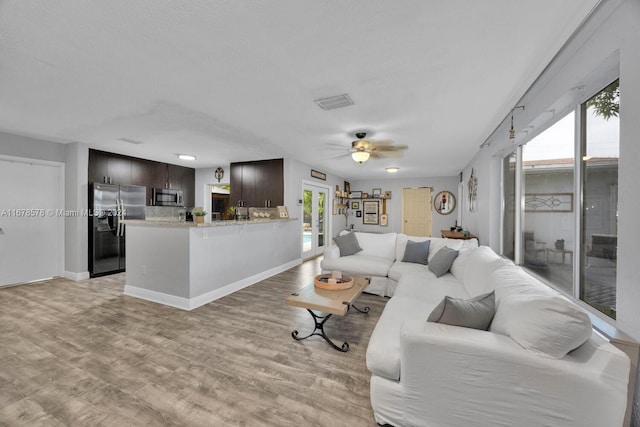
{"x": 81, "y": 353}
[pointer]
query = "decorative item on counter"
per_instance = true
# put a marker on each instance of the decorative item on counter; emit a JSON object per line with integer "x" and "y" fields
{"x": 376, "y": 192}
{"x": 219, "y": 173}
{"x": 199, "y": 216}
{"x": 283, "y": 212}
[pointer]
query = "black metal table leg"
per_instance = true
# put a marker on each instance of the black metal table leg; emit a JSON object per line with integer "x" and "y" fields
{"x": 360, "y": 310}
{"x": 319, "y": 330}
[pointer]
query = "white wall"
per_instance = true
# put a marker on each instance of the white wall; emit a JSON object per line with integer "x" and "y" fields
{"x": 394, "y": 205}
{"x": 76, "y": 197}
{"x": 608, "y": 42}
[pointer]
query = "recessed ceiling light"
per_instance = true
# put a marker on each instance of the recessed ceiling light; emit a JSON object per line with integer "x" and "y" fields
{"x": 186, "y": 157}
{"x": 392, "y": 169}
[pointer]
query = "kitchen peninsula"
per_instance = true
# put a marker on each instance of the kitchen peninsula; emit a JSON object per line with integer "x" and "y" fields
{"x": 186, "y": 265}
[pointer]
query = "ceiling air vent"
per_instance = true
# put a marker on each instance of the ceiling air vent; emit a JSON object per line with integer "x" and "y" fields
{"x": 334, "y": 102}
{"x": 131, "y": 141}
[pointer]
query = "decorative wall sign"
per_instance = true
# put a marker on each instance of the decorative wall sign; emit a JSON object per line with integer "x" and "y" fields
{"x": 376, "y": 192}
{"x": 548, "y": 202}
{"x": 355, "y": 205}
{"x": 371, "y": 211}
{"x": 472, "y": 186}
{"x": 359, "y": 214}
{"x": 356, "y": 195}
{"x": 319, "y": 175}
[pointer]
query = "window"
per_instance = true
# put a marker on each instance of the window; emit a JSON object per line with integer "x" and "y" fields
{"x": 568, "y": 227}
{"x": 548, "y": 220}
{"x": 509, "y": 206}
{"x": 601, "y": 147}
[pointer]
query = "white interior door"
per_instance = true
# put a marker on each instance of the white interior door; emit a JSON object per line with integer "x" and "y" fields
{"x": 416, "y": 211}
{"x": 31, "y": 241}
{"x": 315, "y": 209}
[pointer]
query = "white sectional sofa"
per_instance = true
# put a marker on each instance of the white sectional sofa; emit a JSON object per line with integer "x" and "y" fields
{"x": 538, "y": 364}
{"x": 381, "y": 258}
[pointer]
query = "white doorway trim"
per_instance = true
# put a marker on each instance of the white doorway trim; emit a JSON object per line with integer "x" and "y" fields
{"x": 328, "y": 214}
{"x": 60, "y": 223}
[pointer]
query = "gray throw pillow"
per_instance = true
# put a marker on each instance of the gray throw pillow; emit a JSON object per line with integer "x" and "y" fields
{"x": 476, "y": 313}
{"x": 417, "y": 252}
{"x": 442, "y": 260}
{"x": 348, "y": 244}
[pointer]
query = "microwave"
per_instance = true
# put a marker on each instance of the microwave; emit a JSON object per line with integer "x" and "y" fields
{"x": 167, "y": 197}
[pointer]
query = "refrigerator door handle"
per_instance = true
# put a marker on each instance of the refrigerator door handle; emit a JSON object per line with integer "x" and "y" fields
{"x": 121, "y": 217}
{"x": 117, "y": 216}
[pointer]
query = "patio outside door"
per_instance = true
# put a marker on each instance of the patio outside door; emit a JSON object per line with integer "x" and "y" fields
{"x": 315, "y": 220}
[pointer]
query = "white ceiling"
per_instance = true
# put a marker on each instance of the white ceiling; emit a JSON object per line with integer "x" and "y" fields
{"x": 235, "y": 80}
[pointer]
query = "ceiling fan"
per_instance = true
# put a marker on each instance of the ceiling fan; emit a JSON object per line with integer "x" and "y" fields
{"x": 362, "y": 149}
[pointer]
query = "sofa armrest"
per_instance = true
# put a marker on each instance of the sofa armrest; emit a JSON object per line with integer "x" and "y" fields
{"x": 332, "y": 252}
{"x": 457, "y": 376}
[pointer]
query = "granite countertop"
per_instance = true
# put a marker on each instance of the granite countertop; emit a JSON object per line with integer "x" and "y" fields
{"x": 176, "y": 223}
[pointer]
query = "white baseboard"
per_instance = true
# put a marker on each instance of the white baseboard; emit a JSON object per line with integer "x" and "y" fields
{"x": 76, "y": 277}
{"x": 159, "y": 297}
{"x": 190, "y": 304}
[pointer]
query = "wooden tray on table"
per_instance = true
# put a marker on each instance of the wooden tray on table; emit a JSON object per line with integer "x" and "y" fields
{"x": 322, "y": 281}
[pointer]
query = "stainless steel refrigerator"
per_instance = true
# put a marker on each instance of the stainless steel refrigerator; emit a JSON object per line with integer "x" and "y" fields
{"x": 109, "y": 204}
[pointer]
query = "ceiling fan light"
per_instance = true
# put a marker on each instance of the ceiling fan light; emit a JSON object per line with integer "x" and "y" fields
{"x": 392, "y": 169}
{"x": 360, "y": 156}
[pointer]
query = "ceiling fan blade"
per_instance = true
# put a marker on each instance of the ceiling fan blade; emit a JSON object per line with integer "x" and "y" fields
{"x": 387, "y": 154}
{"x": 390, "y": 148}
{"x": 382, "y": 142}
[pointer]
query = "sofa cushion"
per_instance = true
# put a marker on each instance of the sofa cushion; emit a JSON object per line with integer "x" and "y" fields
{"x": 383, "y": 351}
{"x": 377, "y": 245}
{"x": 355, "y": 264}
{"x": 348, "y": 244}
{"x": 441, "y": 262}
{"x": 512, "y": 280}
{"x": 478, "y": 266}
{"x": 548, "y": 325}
{"x": 426, "y": 287}
{"x": 475, "y": 313}
{"x": 416, "y": 252}
{"x": 399, "y": 269}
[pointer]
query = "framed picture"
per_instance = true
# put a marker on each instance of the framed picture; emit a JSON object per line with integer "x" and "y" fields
{"x": 335, "y": 206}
{"x": 355, "y": 205}
{"x": 359, "y": 214}
{"x": 387, "y": 194}
{"x": 371, "y": 211}
{"x": 356, "y": 195}
{"x": 347, "y": 187}
{"x": 318, "y": 175}
{"x": 376, "y": 192}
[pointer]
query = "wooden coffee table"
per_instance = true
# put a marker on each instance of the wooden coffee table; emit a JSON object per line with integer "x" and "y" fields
{"x": 329, "y": 302}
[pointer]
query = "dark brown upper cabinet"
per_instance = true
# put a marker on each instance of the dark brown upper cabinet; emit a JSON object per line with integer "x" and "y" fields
{"x": 118, "y": 169}
{"x": 258, "y": 183}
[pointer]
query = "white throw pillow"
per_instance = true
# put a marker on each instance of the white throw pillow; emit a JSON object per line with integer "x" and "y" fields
{"x": 548, "y": 325}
